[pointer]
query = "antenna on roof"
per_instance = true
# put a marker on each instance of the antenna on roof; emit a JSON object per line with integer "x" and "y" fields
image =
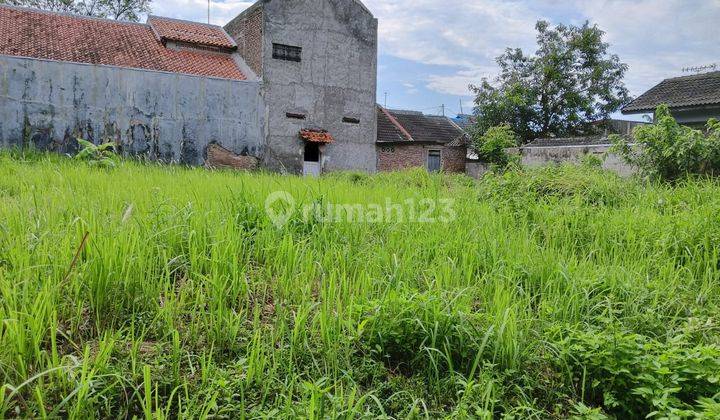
{"x": 700, "y": 69}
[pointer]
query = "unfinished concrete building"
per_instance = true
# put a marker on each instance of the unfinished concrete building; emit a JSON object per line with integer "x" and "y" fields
{"x": 318, "y": 63}
{"x": 290, "y": 85}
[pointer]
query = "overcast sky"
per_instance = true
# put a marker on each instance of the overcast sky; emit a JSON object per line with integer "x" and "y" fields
{"x": 431, "y": 50}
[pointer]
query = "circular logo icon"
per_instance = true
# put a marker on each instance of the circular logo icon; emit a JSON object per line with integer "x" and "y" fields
{"x": 280, "y": 206}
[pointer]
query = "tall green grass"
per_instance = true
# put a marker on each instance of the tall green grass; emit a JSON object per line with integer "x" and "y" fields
{"x": 167, "y": 292}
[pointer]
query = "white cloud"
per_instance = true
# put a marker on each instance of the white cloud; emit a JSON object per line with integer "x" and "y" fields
{"x": 458, "y": 83}
{"x": 450, "y": 32}
{"x": 657, "y": 38}
{"x": 196, "y": 10}
{"x": 410, "y": 88}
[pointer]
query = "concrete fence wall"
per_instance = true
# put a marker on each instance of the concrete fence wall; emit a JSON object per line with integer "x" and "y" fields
{"x": 158, "y": 115}
{"x": 539, "y": 156}
{"x": 476, "y": 169}
{"x": 553, "y": 155}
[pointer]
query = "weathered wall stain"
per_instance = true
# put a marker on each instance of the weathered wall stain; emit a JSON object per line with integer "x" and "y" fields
{"x": 154, "y": 115}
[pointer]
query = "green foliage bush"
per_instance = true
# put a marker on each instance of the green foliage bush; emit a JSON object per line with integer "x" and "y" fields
{"x": 667, "y": 150}
{"x": 423, "y": 333}
{"x": 491, "y": 145}
{"x": 634, "y": 376}
{"x": 587, "y": 184}
{"x": 102, "y": 155}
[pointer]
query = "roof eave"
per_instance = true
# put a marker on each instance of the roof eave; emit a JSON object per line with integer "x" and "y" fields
{"x": 650, "y": 110}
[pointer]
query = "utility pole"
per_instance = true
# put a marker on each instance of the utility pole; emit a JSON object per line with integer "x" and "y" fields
{"x": 443, "y": 109}
{"x": 208, "y": 12}
{"x": 461, "y": 110}
{"x": 385, "y": 106}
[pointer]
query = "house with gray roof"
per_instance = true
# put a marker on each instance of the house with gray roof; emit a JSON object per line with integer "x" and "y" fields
{"x": 410, "y": 139}
{"x": 692, "y": 99}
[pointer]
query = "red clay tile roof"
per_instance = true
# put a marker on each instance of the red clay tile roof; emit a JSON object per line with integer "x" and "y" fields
{"x": 54, "y": 36}
{"x": 316, "y": 136}
{"x": 191, "y": 32}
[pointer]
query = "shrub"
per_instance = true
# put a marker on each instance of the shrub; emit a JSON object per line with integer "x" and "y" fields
{"x": 667, "y": 150}
{"x": 423, "y": 333}
{"x": 102, "y": 155}
{"x": 585, "y": 183}
{"x": 491, "y": 145}
{"x": 634, "y": 376}
{"x": 592, "y": 161}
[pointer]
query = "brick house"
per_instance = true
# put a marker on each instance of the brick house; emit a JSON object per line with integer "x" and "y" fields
{"x": 408, "y": 139}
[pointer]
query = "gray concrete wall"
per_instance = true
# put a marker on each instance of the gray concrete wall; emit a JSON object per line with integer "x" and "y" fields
{"x": 165, "y": 116}
{"x": 539, "y": 156}
{"x": 337, "y": 78}
{"x": 476, "y": 169}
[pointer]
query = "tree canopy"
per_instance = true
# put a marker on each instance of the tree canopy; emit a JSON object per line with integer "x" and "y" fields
{"x": 570, "y": 82}
{"x": 129, "y": 10}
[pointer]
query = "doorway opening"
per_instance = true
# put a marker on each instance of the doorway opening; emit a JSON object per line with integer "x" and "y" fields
{"x": 312, "y": 152}
{"x": 434, "y": 162}
{"x": 311, "y": 159}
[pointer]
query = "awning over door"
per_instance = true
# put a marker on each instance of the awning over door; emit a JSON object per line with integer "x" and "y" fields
{"x": 316, "y": 136}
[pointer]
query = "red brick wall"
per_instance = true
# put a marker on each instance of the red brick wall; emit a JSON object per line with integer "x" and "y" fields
{"x": 247, "y": 32}
{"x": 453, "y": 159}
{"x": 396, "y": 157}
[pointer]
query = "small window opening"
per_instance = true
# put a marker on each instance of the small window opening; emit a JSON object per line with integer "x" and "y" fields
{"x": 295, "y": 116}
{"x": 312, "y": 152}
{"x": 287, "y": 52}
{"x": 351, "y": 120}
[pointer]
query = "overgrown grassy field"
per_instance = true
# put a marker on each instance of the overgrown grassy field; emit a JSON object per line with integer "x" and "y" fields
{"x": 162, "y": 292}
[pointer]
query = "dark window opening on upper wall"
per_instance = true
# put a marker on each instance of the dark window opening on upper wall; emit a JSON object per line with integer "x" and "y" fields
{"x": 287, "y": 52}
{"x": 351, "y": 120}
{"x": 295, "y": 116}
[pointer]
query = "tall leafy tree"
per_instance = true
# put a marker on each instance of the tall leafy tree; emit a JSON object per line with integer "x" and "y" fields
{"x": 129, "y": 10}
{"x": 570, "y": 82}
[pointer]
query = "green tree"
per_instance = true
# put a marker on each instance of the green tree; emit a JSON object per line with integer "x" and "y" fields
{"x": 129, "y": 10}
{"x": 570, "y": 82}
{"x": 491, "y": 145}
